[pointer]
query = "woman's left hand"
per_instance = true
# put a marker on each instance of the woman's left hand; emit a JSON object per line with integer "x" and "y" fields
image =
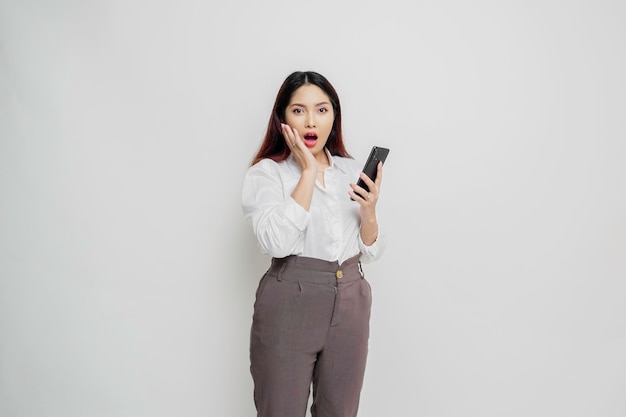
{"x": 368, "y": 200}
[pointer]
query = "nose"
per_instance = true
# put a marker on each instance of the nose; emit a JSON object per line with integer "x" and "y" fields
{"x": 310, "y": 121}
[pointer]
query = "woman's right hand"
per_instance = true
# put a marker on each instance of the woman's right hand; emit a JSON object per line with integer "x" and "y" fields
{"x": 303, "y": 156}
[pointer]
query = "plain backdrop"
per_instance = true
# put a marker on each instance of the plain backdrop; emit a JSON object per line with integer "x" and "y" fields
{"x": 127, "y": 271}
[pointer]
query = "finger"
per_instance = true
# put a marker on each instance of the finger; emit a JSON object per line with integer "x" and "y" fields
{"x": 291, "y": 135}
{"x": 356, "y": 196}
{"x": 296, "y": 137}
{"x": 364, "y": 199}
{"x": 288, "y": 135}
{"x": 379, "y": 173}
{"x": 359, "y": 191}
{"x": 367, "y": 180}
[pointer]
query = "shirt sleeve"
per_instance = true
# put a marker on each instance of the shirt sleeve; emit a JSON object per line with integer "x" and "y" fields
{"x": 278, "y": 221}
{"x": 375, "y": 250}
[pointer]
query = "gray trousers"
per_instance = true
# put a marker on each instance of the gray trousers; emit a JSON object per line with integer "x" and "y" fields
{"x": 310, "y": 326}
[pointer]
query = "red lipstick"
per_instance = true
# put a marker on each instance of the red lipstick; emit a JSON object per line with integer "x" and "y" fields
{"x": 310, "y": 139}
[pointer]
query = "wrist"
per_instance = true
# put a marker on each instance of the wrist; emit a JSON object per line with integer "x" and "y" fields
{"x": 311, "y": 169}
{"x": 309, "y": 173}
{"x": 369, "y": 237}
{"x": 369, "y": 219}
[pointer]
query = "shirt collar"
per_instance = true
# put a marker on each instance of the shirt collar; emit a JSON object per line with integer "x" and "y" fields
{"x": 337, "y": 162}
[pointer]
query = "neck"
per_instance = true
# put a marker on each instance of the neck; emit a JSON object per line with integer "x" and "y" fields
{"x": 322, "y": 159}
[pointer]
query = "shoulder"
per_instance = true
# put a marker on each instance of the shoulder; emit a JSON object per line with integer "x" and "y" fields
{"x": 270, "y": 167}
{"x": 267, "y": 164}
{"x": 263, "y": 165}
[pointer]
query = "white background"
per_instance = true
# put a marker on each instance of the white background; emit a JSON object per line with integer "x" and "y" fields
{"x": 127, "y": 271}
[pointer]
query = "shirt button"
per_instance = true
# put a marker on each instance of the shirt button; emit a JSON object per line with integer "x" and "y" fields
{"x": 339, "y": 274}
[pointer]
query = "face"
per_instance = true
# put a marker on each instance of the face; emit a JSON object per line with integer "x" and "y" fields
{"x": 310, "y": 112}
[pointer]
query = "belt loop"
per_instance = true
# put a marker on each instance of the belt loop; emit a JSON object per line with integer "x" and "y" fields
{"x": 280, "y": 271}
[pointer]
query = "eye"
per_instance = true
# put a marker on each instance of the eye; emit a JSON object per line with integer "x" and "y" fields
{"x": 323, "y": 110}
{"x": 298, "y": 111}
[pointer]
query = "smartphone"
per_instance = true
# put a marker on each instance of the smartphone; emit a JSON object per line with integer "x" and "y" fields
{"x": 377, "y": 154}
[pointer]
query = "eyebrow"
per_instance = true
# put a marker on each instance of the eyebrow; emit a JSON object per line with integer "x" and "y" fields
{"x": 317, "y": 105}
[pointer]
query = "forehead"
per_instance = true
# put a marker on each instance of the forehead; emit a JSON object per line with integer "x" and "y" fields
{"x": 309, "y": 94}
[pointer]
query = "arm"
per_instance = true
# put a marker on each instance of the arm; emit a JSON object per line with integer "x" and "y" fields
{"x": 369, "y": 221}
{"x": 278, "y": 222}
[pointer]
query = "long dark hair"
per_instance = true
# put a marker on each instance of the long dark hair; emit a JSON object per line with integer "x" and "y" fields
{"x": 273, "y": 146}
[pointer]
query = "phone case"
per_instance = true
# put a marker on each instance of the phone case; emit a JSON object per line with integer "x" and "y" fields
{"x": 377, "y": 154}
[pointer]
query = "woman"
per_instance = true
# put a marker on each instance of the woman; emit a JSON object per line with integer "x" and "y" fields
{"x": 312, "y": 308}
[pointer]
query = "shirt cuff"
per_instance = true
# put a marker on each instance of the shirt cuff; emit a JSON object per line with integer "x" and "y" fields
{"x": 373, "y": 251}
{"x": 296, "y": 214}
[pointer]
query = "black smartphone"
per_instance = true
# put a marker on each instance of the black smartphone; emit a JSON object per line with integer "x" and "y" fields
{"x": 377, "y": 154}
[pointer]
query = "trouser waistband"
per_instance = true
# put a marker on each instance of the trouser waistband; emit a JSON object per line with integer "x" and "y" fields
{"x": 316, "y": 271}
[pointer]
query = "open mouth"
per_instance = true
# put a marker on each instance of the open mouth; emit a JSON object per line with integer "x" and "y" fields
{"x": 310, "y": 139}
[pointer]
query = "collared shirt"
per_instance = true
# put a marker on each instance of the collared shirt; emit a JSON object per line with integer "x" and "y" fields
{"x": 329, "y": 230}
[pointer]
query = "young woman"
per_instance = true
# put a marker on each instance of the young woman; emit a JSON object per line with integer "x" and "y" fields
{"x": 312, "y": 308}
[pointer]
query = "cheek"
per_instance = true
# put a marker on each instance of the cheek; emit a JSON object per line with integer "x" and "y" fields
{"x": 328, "y": 128}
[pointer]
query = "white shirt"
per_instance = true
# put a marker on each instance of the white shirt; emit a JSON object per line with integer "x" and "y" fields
{"x": 329, "y": 231}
